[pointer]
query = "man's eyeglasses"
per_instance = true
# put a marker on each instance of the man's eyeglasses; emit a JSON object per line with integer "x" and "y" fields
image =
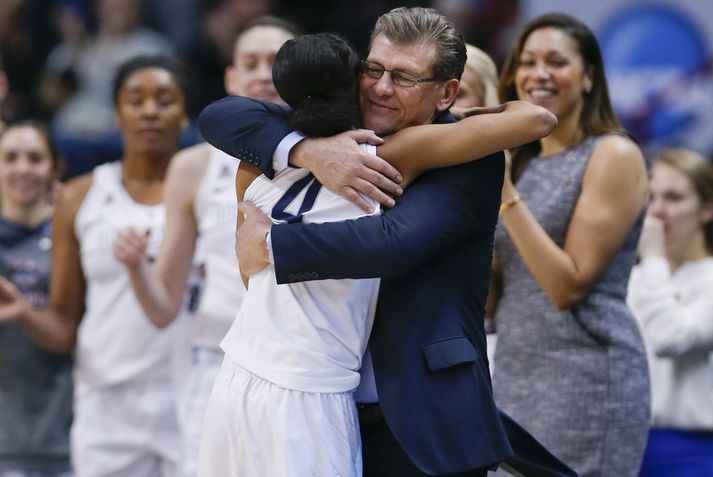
{"x": 407, "y": 80}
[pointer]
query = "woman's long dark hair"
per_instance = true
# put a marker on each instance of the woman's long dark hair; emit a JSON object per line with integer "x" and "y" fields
{"x": 317, "y": 75}
{"x": 597, "y": 116}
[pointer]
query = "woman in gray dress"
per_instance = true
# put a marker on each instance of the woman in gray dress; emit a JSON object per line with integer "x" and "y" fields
{"x": 570, "y": 364}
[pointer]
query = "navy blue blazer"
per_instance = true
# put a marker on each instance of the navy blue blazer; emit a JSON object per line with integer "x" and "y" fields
{"x": 433, "y": 252}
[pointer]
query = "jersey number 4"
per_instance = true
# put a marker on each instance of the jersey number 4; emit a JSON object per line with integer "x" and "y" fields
{"x": 307, "y": 182}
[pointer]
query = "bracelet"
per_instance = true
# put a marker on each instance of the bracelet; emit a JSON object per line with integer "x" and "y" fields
{"x": 509, "y": 203}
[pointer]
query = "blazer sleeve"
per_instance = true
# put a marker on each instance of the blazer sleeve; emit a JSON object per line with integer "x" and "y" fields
{"x": 245, "y": 128}
{"x": 438, "y": 211}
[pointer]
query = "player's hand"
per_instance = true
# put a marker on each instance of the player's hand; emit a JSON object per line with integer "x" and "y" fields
{"x": 343, "y": 167}
{"x": 130, "y": 246}
{"x": 250, "y": 245}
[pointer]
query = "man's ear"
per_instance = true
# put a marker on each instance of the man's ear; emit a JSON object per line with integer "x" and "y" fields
{"x": 450, "y": 90}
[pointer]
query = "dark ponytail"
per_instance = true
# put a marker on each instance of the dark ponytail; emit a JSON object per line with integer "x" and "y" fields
{"x": 317, "y": 75}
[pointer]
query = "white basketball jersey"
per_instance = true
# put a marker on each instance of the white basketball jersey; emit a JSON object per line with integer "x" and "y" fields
{"x": 306, "y": 336}
{"x": 216, "y": 209}
{"x": 116, "y": 342}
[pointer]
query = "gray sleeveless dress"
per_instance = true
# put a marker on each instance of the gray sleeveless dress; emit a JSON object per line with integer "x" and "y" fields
{"x": 577, "y": 379}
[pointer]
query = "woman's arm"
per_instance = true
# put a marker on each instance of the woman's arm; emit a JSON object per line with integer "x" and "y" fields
{"x": 612, "y": 197}
{"x": 55, "y": 327}
{"x": 160, "y": 288}
{"x": 417, "y": 149}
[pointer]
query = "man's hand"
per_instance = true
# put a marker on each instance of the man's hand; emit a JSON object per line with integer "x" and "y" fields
{"x": 342, "y": 167}
{"x": 250, "y": 245}
{"x": 130, "y": 246}
{"x": 12, "y": 304}
{"x": 652, "y": 242}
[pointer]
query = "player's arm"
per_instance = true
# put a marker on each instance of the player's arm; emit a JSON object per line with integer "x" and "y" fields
{"x": 159, "y": 288}
{"x": 416, "y": 149}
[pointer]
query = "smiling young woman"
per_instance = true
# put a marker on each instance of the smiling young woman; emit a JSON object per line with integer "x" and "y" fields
{"x": 29, "y": 168}
{"x": 570, "y": 363}
{"x": 35, "y": 385}
{"x": 125, "y": 418}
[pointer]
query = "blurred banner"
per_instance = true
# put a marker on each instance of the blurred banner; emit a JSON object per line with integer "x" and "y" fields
{"x": 659, "y": 61}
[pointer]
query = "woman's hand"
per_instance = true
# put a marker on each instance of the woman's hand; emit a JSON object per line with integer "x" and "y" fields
{"x": 12, "y": 304}
{"x": 653, "y": 238}
{"x": 250, "y": 239}
{"x": 509, "y": 190}
{"x": 130, "y": 246}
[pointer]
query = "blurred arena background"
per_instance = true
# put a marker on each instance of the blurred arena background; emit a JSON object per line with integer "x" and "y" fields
{"x": 657, "y": 53}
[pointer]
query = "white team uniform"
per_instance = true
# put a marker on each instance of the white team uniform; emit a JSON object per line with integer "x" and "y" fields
{"x": 125, "y": 415}
{"x": 215, "y": 209}
{"x": 282, "y": 404}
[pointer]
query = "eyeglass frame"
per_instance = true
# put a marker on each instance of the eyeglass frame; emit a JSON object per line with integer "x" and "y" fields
{"x": 399, "y": 74}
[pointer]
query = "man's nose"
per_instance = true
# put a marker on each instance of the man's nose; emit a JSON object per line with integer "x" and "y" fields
{"x": 384, "y": 86}
{"x": 264, "y": 71}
